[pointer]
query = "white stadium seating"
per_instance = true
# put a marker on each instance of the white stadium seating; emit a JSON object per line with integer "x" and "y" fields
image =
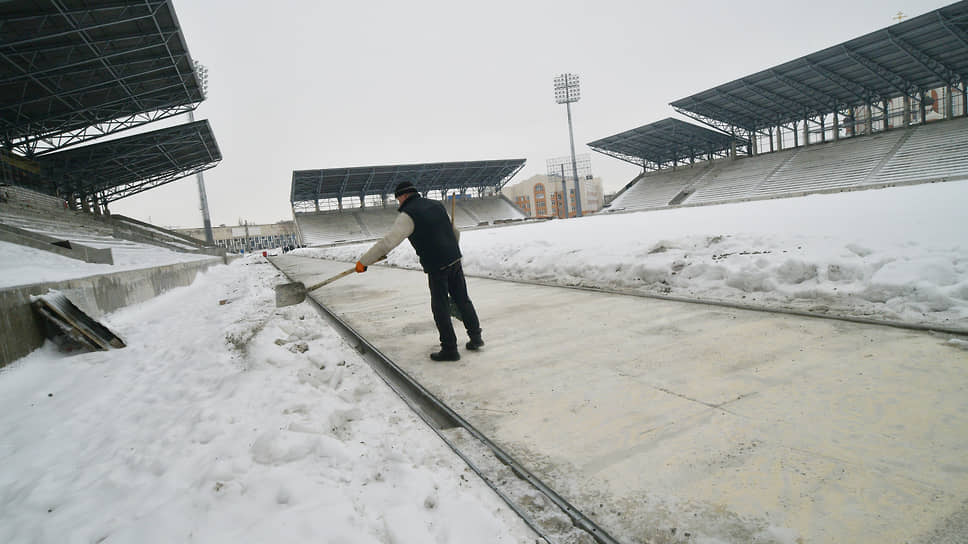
{"x": 934, "y": 152}
{"x": 919, "y": 154}
{"x": 332, "y": 227}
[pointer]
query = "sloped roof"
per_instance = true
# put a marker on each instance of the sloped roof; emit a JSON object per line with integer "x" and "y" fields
{"x": 308, "y": 185}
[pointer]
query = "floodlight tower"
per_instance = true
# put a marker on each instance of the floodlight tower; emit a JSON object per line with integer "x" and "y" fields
{"x": 202, "y": 73}
{"x": 566, "y": 92}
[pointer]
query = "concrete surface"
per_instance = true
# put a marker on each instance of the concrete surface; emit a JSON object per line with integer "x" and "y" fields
{"x": 677, "y": 422}
{"x": 22, "y": 331}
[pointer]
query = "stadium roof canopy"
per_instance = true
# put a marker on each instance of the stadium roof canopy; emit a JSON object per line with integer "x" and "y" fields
{"x": 309, "y": 185}
{"x": 119, "y": 168}
{"x": 71, "y": 70}
{"x": 664, "y": 143}
{"x": 907, "y": 58}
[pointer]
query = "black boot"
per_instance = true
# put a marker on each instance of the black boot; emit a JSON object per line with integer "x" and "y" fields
{"x": 475, "y": 343}
{"x": 446, "y": 354}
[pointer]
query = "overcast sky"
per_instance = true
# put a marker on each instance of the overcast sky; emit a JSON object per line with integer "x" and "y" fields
{"x": 305, "y": 84}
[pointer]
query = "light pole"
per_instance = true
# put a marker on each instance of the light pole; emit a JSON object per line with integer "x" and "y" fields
{"x": 566, "y": 92}
{"x": 202, "y": 73}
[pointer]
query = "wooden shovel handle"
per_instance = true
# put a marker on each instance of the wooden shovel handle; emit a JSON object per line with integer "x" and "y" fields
{"x": 342, "y": 274}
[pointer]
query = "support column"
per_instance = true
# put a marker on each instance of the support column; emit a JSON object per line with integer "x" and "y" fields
{"x": 924, "y": 110}
{"x": 95, "y": 205}
{"x": 852, "y": 131}
{"x": 806, "y": 132}
{"x": 836, "y": 126}
{"x": 949, "y": 103}
{"x": 906, "y": 116}
{"x": 779, "y": 138}
{"x": 887, "y": 125}
{"x": 771, "y": 140}
{"x": 753, "y": 147}
{"x": 732, "y": 150}
{"x": 964, "y": 98}
{"x": 869, "y": 123}
{"x": 823, "y": 128}
{"x": 796, "y": 136}
{"x": 85, "y": 207}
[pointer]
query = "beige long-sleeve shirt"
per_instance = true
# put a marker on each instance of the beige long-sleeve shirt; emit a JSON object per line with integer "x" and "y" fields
{"x": 401, "y": 229}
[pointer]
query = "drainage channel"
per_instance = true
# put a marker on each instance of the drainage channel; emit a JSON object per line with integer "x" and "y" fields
{"x": 548, "y": 514}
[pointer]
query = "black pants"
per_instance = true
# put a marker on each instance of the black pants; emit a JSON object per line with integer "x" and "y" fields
{"x": 451, "y": 280}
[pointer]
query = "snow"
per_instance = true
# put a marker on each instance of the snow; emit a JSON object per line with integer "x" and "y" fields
{"x": 897, "y": 254}
{"x": 234, "y": 422}
{"x": 242, "y": 422}
{"x": 22, "y": 265}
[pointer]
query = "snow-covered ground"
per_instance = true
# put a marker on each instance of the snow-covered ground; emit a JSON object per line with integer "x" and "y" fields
{"x": 898, "y": 254}
{"x": 240, "y": 422}
{"x": 234, "y": 422}
{"x": 22, "y": 265}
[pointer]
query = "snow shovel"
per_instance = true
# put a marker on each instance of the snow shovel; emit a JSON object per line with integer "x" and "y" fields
{"x": 288, "y": 294}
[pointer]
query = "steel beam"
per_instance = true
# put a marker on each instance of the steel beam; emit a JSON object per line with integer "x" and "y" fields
{"x": 891, "y": 78}
{"x": 789, "y": 103}
{"x": 959, "y": 34}
{"x": 945, "y": 73}
{"x": 824, "y": 101}
{"x": 857, "y": 90}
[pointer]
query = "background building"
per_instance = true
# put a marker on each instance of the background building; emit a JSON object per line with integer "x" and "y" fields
{"x": 249, "y": 237}
{"x": 541, "y": 196}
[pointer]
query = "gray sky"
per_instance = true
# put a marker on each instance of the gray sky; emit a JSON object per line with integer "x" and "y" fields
{"x": 303, "y": 84}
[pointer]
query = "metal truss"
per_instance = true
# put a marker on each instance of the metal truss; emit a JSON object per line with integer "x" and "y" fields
{"x": 889, "y": 77}
{"x": 127, "y": 166}
{"x": 70, "y": 73}
{"x": 953, "y": 29}
{"x": 822, "y": 100}
{"x": 361, "y": 182}
{"x": 40, "y": 145}
{"x": 740, "y": 134}
{"x": 946, "y": 74}
{"x": 123, "y": 191}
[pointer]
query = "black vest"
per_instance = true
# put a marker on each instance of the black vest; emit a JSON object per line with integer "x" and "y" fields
{"x": 433, "y": 236}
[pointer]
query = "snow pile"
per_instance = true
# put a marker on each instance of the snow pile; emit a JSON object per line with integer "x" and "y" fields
{"x": 227, "y": 420}
{"x": 896, "y": 254}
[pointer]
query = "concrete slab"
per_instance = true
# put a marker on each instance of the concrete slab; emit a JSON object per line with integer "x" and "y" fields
{"x": 667, "y": 421}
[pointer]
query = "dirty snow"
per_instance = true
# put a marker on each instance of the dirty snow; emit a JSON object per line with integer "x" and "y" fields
{"x": 898, "y": 254}
{"x": 234, "y": 422}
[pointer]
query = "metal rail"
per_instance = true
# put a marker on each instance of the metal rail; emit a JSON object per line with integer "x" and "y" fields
{"x": 741, "y": 306}
{"x": 438, "y": 416}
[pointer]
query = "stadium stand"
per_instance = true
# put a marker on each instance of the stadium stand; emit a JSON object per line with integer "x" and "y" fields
{"x": 919, "y": 154}
{"x": 834, "y": 165}
{"x": 490, "y": 210}
{"x": 376, "y": 221}
{"x": 658, "y": 189}
{"x": 325, "y": 228}
{"x": 934, "y": 152}
{"x": 322, "y": 200}
{"x": 42, "y": 214}
{"x": 735, "y": 179}
{"x": 72, "y": 74}
{"x": 882, "y": 109}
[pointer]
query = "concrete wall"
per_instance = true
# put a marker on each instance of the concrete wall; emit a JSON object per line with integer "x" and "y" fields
{"x": 22, "y": 331}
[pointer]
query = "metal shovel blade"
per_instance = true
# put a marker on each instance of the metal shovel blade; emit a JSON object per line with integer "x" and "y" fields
{"x": 288, "y": 294}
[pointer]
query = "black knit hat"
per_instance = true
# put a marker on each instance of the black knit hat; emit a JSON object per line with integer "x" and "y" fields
{"x": 404, "y": 188}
